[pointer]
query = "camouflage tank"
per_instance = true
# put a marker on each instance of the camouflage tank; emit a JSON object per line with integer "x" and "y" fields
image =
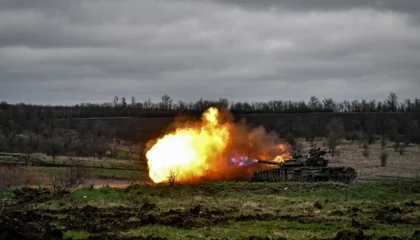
{"x": 310, "y": 168}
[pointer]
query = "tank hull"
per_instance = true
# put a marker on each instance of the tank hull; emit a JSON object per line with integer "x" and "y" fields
{"x": 306, "y": 174}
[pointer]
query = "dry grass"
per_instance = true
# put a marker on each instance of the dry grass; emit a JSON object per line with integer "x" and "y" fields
{"x": 350, "y": 154}
{"x": 16, "y": 176}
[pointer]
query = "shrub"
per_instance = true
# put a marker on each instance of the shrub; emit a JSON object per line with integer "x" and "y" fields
{"x": 397, "y": 146}
{"x": 383, "y": 158}
{"x": 401, "y": 150}
{"x": 122, "y": 154}
{"x": 383, "y": 142}
{"x": 172, "y": 178}
{"x": 74, "y": 176}
{"x": 366, "y": 150}
{"x": 366, "y": 153}
{"x": 365, "y": 145}
{"x": 334, "y": 130}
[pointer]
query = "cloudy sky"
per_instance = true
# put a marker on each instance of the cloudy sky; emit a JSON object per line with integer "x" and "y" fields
{"x": 66, "y": 52}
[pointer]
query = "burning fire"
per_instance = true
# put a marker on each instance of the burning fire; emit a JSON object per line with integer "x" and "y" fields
{"x": 214, "y": 148}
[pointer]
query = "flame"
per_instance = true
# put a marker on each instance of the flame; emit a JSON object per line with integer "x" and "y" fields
{"x": 205, "y": 150}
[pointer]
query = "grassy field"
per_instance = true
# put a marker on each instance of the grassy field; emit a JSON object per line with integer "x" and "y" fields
{"x": 122, "y": 172}
{"x": 224, "y": 210}
{"x": 63, "y": 161}
{"x": 350, "y": 154}
{"x": 100, "y": 171}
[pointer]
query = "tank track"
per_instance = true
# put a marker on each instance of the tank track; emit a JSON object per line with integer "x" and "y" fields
{"x": 306, "y": 174}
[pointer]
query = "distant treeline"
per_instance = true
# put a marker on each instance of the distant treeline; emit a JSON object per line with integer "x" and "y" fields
{"x": 121, "y": 107}
{"x": 57, "y": 130}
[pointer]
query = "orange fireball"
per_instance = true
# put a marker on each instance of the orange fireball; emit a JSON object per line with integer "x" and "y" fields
{"x": 187, "y": 152}
{"x": 203, "y": 150}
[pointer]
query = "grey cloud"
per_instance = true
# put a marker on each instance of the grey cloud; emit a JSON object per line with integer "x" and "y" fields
{"x": 57, "y": 51}
{"x": 409, "y": 7}
{"x": 8, "y": 5}
{"x": 386, "y": 5}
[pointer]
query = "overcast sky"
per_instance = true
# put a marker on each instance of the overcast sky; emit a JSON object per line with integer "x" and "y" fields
{"x": 72, "y": 51}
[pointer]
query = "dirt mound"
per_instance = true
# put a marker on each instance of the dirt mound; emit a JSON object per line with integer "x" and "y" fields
{"x": 97, "y": 220}
{"x": 263, "y": 238}
{"x": 25, "y": 222}
{"x": 392, "y": 215}
{"x": 18, "y": 228}
{"x": 354, "y": 211}
{"x": 116, "y": 237}
{"x": 31, "y": 195}
{"x": 357, "y": 224}
{"x": 337, "y": 213}
{"x": 350, "y": 235}
{"x": 412, "y": 204}
{"x": 18, "y": 223}
{"x": 148, "y": 206}
{"x": 194, "y": 217}
{"x": 416, "y": 235}
{"x": 272, "y": 217}
{"x": 360, "y": 235}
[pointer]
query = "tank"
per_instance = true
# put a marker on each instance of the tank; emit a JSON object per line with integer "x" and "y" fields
{"x": 312, "y": 167}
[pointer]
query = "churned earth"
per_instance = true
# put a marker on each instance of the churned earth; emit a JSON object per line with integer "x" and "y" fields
{"x": 224, "y": 210}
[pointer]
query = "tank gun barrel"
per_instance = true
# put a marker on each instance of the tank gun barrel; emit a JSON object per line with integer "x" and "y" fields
{"x": 267, "y": 162}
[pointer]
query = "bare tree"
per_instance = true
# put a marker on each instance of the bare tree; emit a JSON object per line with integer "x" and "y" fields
{"x": 3, "y": 142}
{"x": 391, "y": 127}
{"x": 172, "y": 177}
{"x": 223, "y": 102}
{"x": 366, "y": 151}
{"x": 56, "y": 145}
{"x": 148, "y": 104}
{"x": 383, "y": 142}
{"x": 384, "y": 158}
{"x": 166, "y": 103}
{"x": 335, "y": 130}
{"x": 133, "y": 101}
{"x": 74, "y": 176}
{"x": 123, "y": 102}
{"x": 392, "y": 102}
{"x": 314, "y": 104}
{"x": 329, "y": 105}
{"x": 115, "y": 102}
{"x": 412, "y": 132}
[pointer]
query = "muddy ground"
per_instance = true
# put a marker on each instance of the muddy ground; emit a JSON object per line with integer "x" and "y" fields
{"x": 19, "y": 219}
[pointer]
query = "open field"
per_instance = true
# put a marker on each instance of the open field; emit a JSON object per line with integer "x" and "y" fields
{"x": 105, "y": 170}
{"x": 117, "y": 171}
{"x": 224, "y": 210}
{"x": 350, "y": 154}
{"x": 110, "y": 205}
{"x": 61, "y": 161}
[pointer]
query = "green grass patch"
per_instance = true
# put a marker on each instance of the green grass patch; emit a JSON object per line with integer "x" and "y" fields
{"x": 76, "y": 235}
{"x": 6, "y": 193}
{"x": 242, "y": 209}
{"x": 98, "y": 172}
{"x": 120, "y": 174}
{"x": 48, "y": 170}
{"x": 102, "y": 194}
{"x": 238, "y": 230}
{"x": 375, "y": 192}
